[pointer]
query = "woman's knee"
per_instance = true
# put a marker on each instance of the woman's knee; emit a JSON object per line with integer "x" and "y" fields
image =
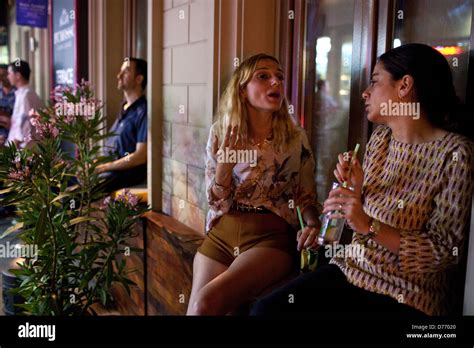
{"x": 205, "y": 303}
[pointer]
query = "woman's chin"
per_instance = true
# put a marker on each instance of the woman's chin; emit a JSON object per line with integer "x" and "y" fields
{"x": 374, "y": 118}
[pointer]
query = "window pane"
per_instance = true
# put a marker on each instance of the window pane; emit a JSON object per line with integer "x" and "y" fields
{"x": 330, "y": 117}
{"x": 141, "y": 23}
{"x": 446, "y": 27}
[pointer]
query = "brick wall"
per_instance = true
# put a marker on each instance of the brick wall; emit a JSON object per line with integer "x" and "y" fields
{"x": 187, "y": 87}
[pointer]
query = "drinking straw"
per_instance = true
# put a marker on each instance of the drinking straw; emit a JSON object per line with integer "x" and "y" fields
{"x": 305, "y": 253}
{"x": 300, "y": 217}
{"x": 354, "y": 155}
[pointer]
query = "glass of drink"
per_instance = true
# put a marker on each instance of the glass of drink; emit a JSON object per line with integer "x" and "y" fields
{"x": 331, "y": 229}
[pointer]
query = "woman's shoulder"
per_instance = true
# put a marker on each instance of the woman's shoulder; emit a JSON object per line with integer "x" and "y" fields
{"x": 300, "y": 133}
{"x": 380, "y": 135}
{"x": 381, "y": 132}
{"x": 300, "y": 137}
{"x": 460, "y": 146}
{"x": 455, "y": 139}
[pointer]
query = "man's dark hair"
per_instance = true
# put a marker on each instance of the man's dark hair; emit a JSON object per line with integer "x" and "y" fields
{"x": 22, "y": 67}
{"x": 141, "y": 68}
{"x": 4, "y": 66}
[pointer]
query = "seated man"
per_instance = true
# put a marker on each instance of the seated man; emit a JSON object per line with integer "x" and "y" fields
{"x": 128, "y": 146}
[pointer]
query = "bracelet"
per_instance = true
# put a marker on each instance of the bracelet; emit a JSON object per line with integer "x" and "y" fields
{"x": 374, "y": 228}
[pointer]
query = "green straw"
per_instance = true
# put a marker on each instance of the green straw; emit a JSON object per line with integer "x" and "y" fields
{"x": 354, "y": 155}
{"x": 300, "y": 217}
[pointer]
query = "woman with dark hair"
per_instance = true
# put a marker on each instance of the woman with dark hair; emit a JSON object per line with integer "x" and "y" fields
{"x": 410, "y": 202}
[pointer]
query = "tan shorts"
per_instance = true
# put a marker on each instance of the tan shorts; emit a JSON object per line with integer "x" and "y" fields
{"x": 236, "y": 232}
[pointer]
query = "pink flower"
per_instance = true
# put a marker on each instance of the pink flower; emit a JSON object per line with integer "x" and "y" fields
{"x": 128, "y": 198}
{"x": 28, "y": 137}
{"x": 44, "y": 127}
{"x": 53, "y": 131}
{"x": 19, "y": 174}
{"x": 105, "y": 204}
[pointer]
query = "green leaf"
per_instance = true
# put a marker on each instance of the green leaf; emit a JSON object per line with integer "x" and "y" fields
{"x": 41, "y": 227}
{"x": 109, "y": 274}
{"x": 79, "y": 220}
{"x": 61, "y": 196}
{"x": 12, "y": 229}
{"x": 103, "y": 296}
{"x": 7, "y": 190}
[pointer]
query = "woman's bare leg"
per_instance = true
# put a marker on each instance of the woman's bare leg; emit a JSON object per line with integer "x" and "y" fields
{"x": 250, "y": 273}
{"x": 205, "y": 269}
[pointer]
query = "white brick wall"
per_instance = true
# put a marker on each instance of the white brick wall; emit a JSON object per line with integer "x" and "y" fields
{"x": 187, "y": 61}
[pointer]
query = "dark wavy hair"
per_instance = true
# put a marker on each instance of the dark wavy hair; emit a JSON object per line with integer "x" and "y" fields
{"x": 433, "y": 81}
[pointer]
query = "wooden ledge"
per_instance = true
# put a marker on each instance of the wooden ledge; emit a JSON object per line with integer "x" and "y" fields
{"x": 140, "y": 192}
{"x": 173, "y": 226}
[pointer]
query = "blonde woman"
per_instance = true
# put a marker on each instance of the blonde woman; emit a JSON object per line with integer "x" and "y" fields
{"x": 259, "y": 167}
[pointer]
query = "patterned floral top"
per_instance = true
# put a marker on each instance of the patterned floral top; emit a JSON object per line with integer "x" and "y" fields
{"x": 276, "y": 181}
{"x": 425, "y": 191}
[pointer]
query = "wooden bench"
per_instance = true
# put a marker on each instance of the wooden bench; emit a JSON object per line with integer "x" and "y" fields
{"x": 171, "y": 247}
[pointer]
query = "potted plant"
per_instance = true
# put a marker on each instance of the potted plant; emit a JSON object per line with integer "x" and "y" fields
{"x": 82, "y": 248}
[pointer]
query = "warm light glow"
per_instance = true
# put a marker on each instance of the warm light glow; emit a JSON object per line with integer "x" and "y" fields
{"x": 449, "y": 50}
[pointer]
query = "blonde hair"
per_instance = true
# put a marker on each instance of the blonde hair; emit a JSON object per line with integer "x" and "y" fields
{"x": 233, "y": 111}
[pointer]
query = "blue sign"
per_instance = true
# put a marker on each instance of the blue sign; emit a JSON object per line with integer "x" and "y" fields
{"x": 64, "y": 42}
{"x": 33, "y": 13}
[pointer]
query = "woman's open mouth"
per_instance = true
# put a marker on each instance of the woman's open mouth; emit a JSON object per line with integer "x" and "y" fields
{"x": 275, "y": 96}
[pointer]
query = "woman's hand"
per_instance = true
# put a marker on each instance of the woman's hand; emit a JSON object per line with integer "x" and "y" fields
{"x": 224, "y": 169}
{"x": 307, "y": 238}
{"x": 342, "y": 171}
{"x": 349, "y": 206}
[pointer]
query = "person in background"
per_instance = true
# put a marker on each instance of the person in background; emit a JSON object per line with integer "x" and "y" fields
{"x": 328, "y": 125}
{"x": 128, "y": 147}
{"x": 410, "y": 204}
{"x": 7, "y": 102}
{"x": 25, "y": 100}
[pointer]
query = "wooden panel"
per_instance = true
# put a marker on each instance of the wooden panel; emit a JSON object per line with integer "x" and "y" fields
{"x": 259, "y": 14}
{"x": 155, "y": 102}
{"x": 310, "y": 67}
{"x": 286, "y": 42}
{"x": 298, "y": 61}
{"x": 386, "y": 10}
{"x": 171, "y": 247}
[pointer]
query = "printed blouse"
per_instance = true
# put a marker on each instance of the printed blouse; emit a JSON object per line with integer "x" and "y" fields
{"x": 263, "y": 177}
